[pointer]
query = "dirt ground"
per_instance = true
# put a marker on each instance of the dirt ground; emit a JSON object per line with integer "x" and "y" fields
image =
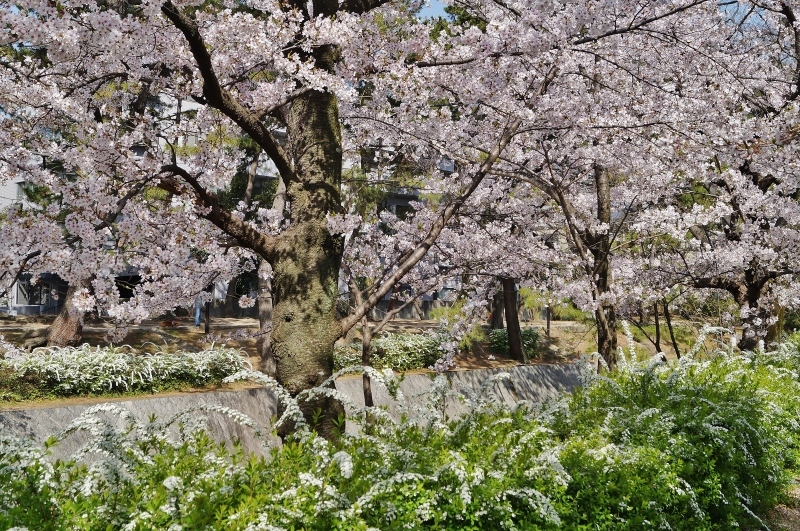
{"x": 786, "y": 517}
{"x": 567, "y": 339}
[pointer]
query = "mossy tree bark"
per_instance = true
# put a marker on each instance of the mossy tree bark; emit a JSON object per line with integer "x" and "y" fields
{"x": 307, "y": 258}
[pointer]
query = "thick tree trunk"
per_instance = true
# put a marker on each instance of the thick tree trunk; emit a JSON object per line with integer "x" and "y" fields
{"x": 307, "y": 260}
{"x": 750, "y": 332}
{"x": 497, "y": 321}
{"x": 512, "y": 320}
{"x": 606, "y": 320}
{"x": 754, "y": 325}
{"x": 67, "y": 329}
{"x": 775, "y": 330}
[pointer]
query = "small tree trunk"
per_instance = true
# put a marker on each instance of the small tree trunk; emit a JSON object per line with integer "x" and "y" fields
{"x": 497, "y": 321}
{"x": 366, "y": 361}
{"x": 671, "y": 332}
{"x": 229, "y": 309}
{"x": 263, "y": 342}
{"x": 657, "y": 342}
{"x": 547, "y": 315}
{"x": 392, "y": 305}
{"x": 418, "y": 310}
{"x": 605, "y": 315}
{"x": 606, "y": 319}
{"x": 512, "y": 320}
{"x": 67, "y": 328}
{"x": 265, "y": 302}
{"x": 775, "y": 330}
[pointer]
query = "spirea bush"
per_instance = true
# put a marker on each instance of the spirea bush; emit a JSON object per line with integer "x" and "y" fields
{"x": 498, "y": 342}
{"x": 71, "y": 371}
{"x": 400, "y": 352}
{"x": 696, "y": 445}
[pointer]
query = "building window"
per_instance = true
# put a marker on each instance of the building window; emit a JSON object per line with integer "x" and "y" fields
{"x": 37, "y": 294}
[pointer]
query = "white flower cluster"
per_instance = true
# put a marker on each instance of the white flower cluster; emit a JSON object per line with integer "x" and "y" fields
{"x": 9, "y": 350}
{"x": 71, "y": 370}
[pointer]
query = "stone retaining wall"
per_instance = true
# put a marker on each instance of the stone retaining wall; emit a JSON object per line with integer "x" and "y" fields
{"x": 534, "y": 383}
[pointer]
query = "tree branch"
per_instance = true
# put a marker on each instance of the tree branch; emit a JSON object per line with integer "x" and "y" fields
{"x": 218, "y": 98}
{"x": 633, "y": 27}
{"x": 361, "y": 6}
{"x": 222, "y": 218}
{"x": 413, "y": 258}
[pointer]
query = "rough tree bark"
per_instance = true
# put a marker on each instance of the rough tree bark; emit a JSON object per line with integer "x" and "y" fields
{"x": 67, "y": 329}
{"x": 307, "y": 258}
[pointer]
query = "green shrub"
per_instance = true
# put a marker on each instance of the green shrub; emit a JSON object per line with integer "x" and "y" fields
{"x": 723, "y": 431}
{"x": 498, "y": 342}
{"x": 695, "y": 445}
{"x": 400, "y": 352}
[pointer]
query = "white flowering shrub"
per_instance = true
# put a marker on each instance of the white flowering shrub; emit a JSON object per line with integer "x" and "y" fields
{"x": 56, "y": 371}
{"x": 704, "y": 444}
{"x": 400, "y": 352}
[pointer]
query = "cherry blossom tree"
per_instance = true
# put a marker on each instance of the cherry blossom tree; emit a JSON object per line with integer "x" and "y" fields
{"x": 275, "y": 69}
{"x": 731, "y": 224}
